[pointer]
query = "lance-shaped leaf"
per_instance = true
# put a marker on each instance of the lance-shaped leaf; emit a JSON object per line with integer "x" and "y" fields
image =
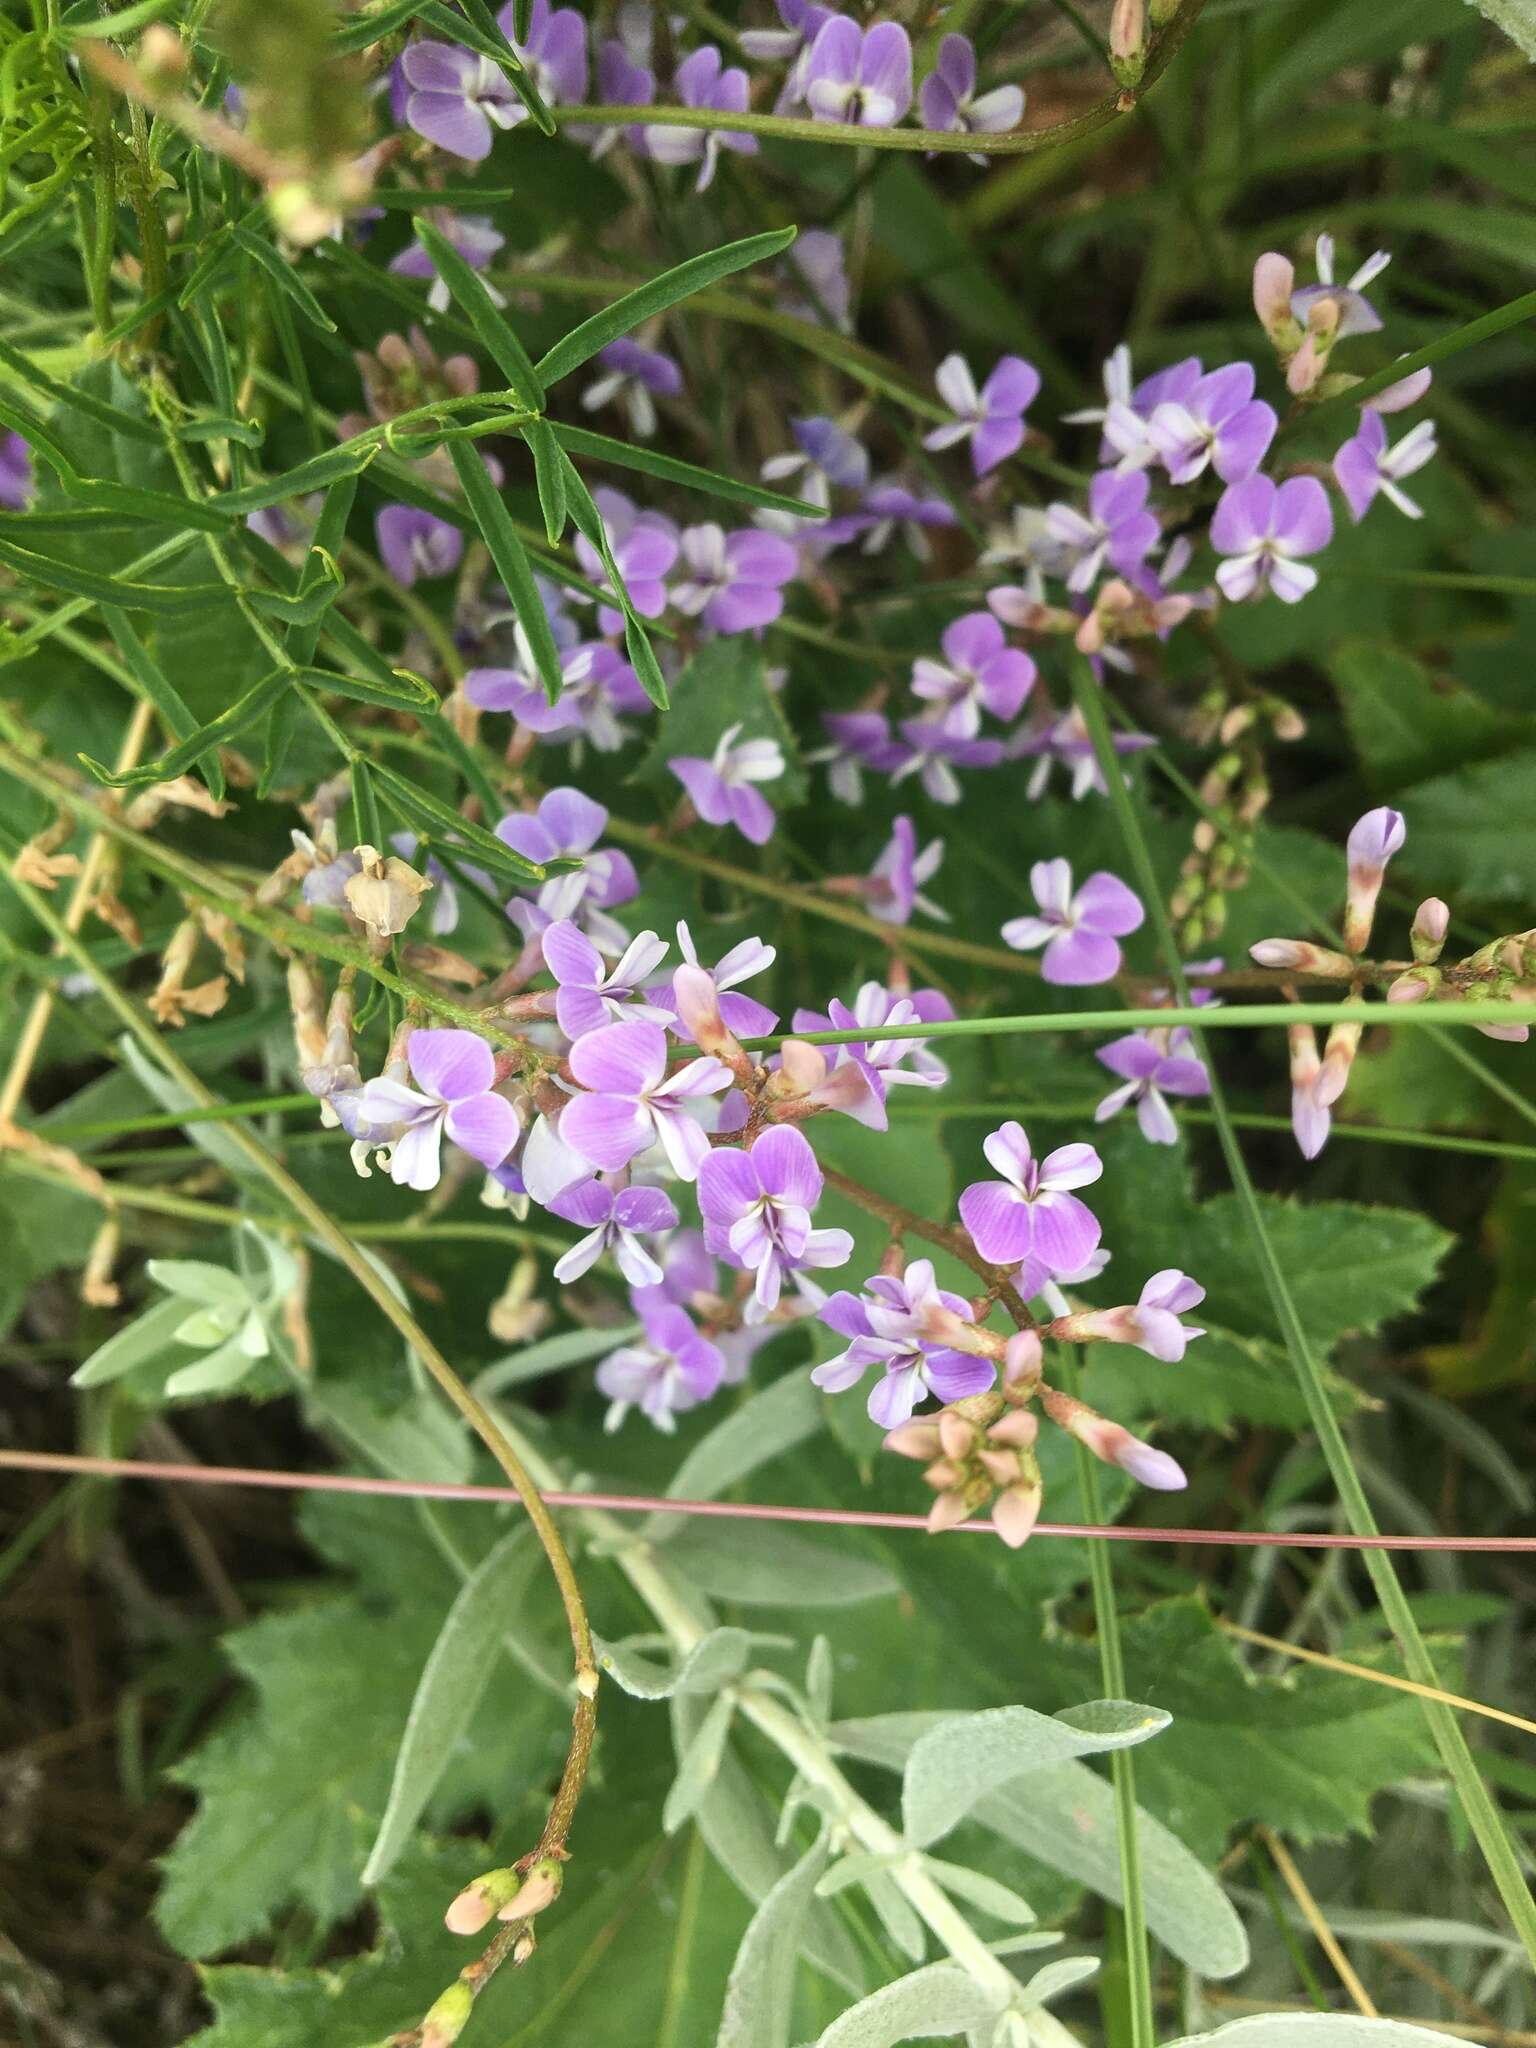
{"x": 245, "y": 711}
{"x": 480, "y": 309}
{"x": 285, "y": 277}
{"x": 594, "y": 333}
{"x": 351, "y": 459}
{"x": 549, "y": 476}
{"x": 771, "y": 1422}
{"x": 698, "y": 1764}
{"x": 934, "y": 2003}
{"x": 712, "y": 1662}
{"x": 161, "y": 692}
{"x": 1317, "y": 2030}
{"x": 589, "y": 523}
{"x": 403, "y": 692}
{"x": 760, "y": 1991}
{"x": 625, "y": 455}
{"x": 438, "y": 823}
{"x": 511, "y": 560}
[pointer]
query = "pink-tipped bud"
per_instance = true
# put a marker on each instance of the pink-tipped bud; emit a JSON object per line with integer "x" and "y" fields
{"x": 1298, "y": 956}
{"x": 1001, "y": 1467}
{"x": 1015, "y": 1512}
{"x": 1274, "y": 279}
{"x": 698, "y": 1011}
{"x": 1431, "y": 922}
{"x": 523, "y": 1947}
{"x": 1128, "y": 41}
{"x": 1372, "y": 843}
{"x": 1506, "y": 1034}
{"x": 941, "y": 1475}
{"x": 1022, "y": 1359}
{"x": 540, "y": 1888}
{"x": 1413, "y": 988}
{"x": 957, "y": 1437}
{"x": 1310, "y": 1119}
{"x": 1149, "y": 1467}
{"x": 445, "y": 2021}
{"x": 1338, "y": 1059}
{"x": 947, "y": 1512}
{"x": 477, "y": 1902}
{"x": 1018, "y": 1429}
{"x": 918, "y": 1438}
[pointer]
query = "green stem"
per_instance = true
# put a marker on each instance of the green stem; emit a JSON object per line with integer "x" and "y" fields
{"x": 1482, "y": 1814}
{"x": 1452, "y": 344}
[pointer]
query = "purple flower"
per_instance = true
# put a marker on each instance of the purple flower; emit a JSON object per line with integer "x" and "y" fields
{"x": 471, "y": 234}
{"x": 859, "y": 76}
{"x": 615, "y": 1219}
{"x": 891, "y": 504}
{"x": 882, "y": 1061}
{"x": 1117, "y": 528}
{"x": 734, "y": 581}
{"x": 555, "y": 52}
{"x": 592, "y": 994}
{"x": 1405, "y": 392}
{"x": 802, "y": 21}
{"x": 893, "y": 888}
{"x": 815, "y": 265}
{"x": 991, "y": 419}
{"x": 672, "y": 1370}
{"x": 567, "y": 826}
{"x": 17, "y": 482}
{"x": 1156, "y": 1316}
{"x": 413, "y": 543}
{"x": 1152, "y": 1065}
{"x": 623, "y": 80}
{"x": 721, "y": 788}
{"x": 826, "y": 455}
{"x": 1064, "y": 742}
{"x": 1372, "y": 842}
{"x": 980, "y": 672}
{"x": 1219, "y": 423}
{"x": 860, "y": 740}
{"x": 1128, "y": 408}
{"x": 743, "y": 1015}
{"x": 1080, "y": 933}
{"x": 597, "y": 686}
{"x": 1356, "y": 314}
{"x": 757, "y": 1209}
{"x": 932, "y": 752}
{"x": 644, "y": 548}
{"x": 1263, "y": 527}
{"x": 453, "y": 97}
{"x": 886, "y": 1329}
{"x": 1031, "y": 1212}
{"x": 636, "y": 377}
{"x": 949, "y": 101}
{"x": 456, "y": 1073}
{"x": 1366, "y": 465}
{"x": 634, "y": 1102}
{"x": 702, "y": 80}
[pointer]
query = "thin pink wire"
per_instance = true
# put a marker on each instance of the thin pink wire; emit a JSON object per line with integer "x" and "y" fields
{"x": 752, "y": 1511}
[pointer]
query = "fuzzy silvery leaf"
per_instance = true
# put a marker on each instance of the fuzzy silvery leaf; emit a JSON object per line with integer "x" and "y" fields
{"x": 1317, "y": 2030}
{"x": 199, "y": 1280}
{"x": 1517, "y": 18}
{"x": 763, "y": 1564}
{"x": 759, "y": 1992}
{"x": 699, "y": 1764}
{"x": 712, "y": 1662}
{"x": 1056, "y": 1978}
{"x": 966, "y": 1760}
{"x": 147, "y": 1338}
{"x": 552, "y": 1354}
{"x": 933, "y": 2003}
{"x": 981, "y": 1891}
{"x": 215, "y": 1373}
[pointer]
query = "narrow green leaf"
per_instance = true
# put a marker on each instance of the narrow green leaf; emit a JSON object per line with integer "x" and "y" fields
{"x": 624, "y": 455}
{"x": 980, "y": 1890}
{"x": 285, "y": 277}
{"x": 132, "y": 597}
{"x": 699, "y": 1764}
{"x": 511, "y": 560}
{"x": 550, "y": 1354}
{"x": 218, "y": 251}
{"x": 244, "y": 712}
{"x": 453, "y": 1682}
{"x": 436, "y": 821}
{"x": 75, "y": 398}
{"x": 316, "y": 573}
{"x": 310, "y": 605}
{"x": 464, "y": 759}
{"x": 365, "y": 807}
{"x": 281, "y": 727}
{"x": 522, "y": 20}
{"x": 219, "y": 427}
{"x": 372, "y": 26}
{"x": 154, "y": 508}
{"x": 647, "y": 300}
{"x": 549, "y": 476}
{"x": 759, "y": 1994}
{"x": 475, "y": 302}
{"x": 313, "y": 475}
{"x": 589, "y": 522}
{"x": 404, "y": 692}
{"x": 712, "y": 1662}
{"x": 161, "y": 692}
{"x": 140, "y": 1342}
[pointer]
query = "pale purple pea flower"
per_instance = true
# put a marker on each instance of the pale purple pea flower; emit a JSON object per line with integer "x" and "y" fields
{"x": 636, "y": 376}
{"x": 471, "y": 234}
{"x": 932, "y": 752}
{"x": 703, "y": 80}
{"x": 689, "y": 1280}
{"x": 859, "y": 76}
{"x": 598, "y": 687}
{"x": 555, "y": 53}
{"x": 741, "y": 1014}
{"x": 891, "y": 504}
{"x": 893, "y": 888}
{"x": 951, "y": 105}
{"x": 882, "y": 1062}
{"x": 1128, "y": 408}
{"x": 17, "y": 482}
{"x": 1399, "y": 396}
{"x": 1152, "y": 1065}
{"x": 1220, "y": 424}
{"x": 1035, "y": 1277}
{"x": 885, "y": 1329}
{"x": 723, "y": 788}
{"x": 455, "y": 98}
{"x": 633, "y": 1102}
{"x": 979, "y": 672}
{"x": 1031, "y": 1211}
{"x": 1356, "y": 314}
{"x": 591, "y": 994}
{"x": 991, "y": 419}
{"x": 1366, "y": 465}
{"x": 456, "y": 1075}
{"x": 413, "y": 543}
{"x": 1263, "y": 528}
{"x": 1117, "y": 528}
{"x": 827, "y": 455}
{"x": 860, "y": 740}
{"x": 1155, "y": 1318}
{"x": 615, "y": 1219}
{"x": 815, "y": 266}
{"x": 1080, "y": 932}
{"x": 1064, "y": 742}
{"x": 623, "y": 80}
{"x": 674, "y": 1369}
{"x": 734, "y": 581}
{"x": 567, "y": 826}
{"x": 644, "y": 546}
{"x": 757, "y": 1209}
{"x": 790, "y": 44}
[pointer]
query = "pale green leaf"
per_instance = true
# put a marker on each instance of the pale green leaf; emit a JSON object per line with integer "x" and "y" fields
{"x": 147, "y": 1338}
{"x": 771, "y": 1422}
{"x": 1517, "y": 18}
{"x": 712, "y": 1662}
{"x": 764, "y": 1564}
{"x": 932, "y": 2003}
{"x": 759, "y": 1992}
{"x": 1317, "y": 2030}
{"x": 699, "y": 1764}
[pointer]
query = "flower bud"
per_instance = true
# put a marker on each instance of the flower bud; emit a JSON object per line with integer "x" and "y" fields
{"x": 1306, "y": 367}
{"x": 475, "y": 1905}
{"x": 1149, "y": 1467}
{"x": 698, "y": 1008}
{"x": 918, "y": 1438}
{"x": 1018, "y": 1428}
{"x": 540, "y": 1888}
{"x": 1372, "y": 843}
{"x": 1338, "y": 1058}
{"x": 445, "y": 2022}
{"x": 1274, "y": 279}
{"x": 1303, "y": 958}
{"x": 1431, "y": 922}
{"x": 957, "y": 1437}
{"x": 523, "y": 1947}
{"x": 1017, "y": 1508}
{"x": 1128, "y": 41}
{"x": 1022, "y": 1359}
{"x": 1310, "y": 1119}
{"x": 949, "y": 1510}
{"x": 1413, "y": 988}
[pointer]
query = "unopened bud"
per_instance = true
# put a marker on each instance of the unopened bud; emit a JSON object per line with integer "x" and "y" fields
{"x": 523, "y": 1947}
{"x": 1431, "y": 922}
{"x": 1022, "y": 1359}
{"x": 1274, "y": 279}
{"x": 1338, "y": 1058}
{"x": 957, "y": 1437}
{"x": 918, "y": 1438}
{"x": 1128, "y": 41}
{"x": 1018, "y": 1428}
{"x": 1303, "y": 958}
{"x": 1017, "y": 1509}
{"x": 1372, "y": 843}
{"x": 478, "y": 1902}
{"x": 949, "y": 1510}
{"x": 1306, "y": 367}
{"x": 1413, "y": 988}
{"x": 698, "y": 1009}
{"x": 445, "y": 2022}
{"x": 1149, "y": 1467}
{"x": 162, "y": 56}
{"x": 540, "y": 1888}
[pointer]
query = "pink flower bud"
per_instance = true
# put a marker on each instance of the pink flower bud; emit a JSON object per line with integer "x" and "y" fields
{"x": 1431, "y": 922}
{"x": 540, "y": 1888}
{"x": 1149, "y": 1467}
{"x": 1338, "y": 1058}
{"x": 947, "y": 1512}
{"x": 1018, "y": 1428}
{"x": 1022, "y": 1360}
{"x": 1372, "y": 843}
{"x": 698, "y": 1008}
{"x": 957, "y": 1437}
{"x": 1274, "y": 279}
{"x": 1015, "y": 1512}
{"x": 1001, "y": 1467}
{"x": 1411, "y": 988}
{"x": 1303, "y": 958}
{"x": 918, "y": 1438}
{"x": 474, "y": 1905}
{"x": 1128, "y": 41}
{"x": 1310, "y": 1119}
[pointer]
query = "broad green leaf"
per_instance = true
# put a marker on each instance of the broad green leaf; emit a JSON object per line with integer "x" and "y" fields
{"x": 771, "y": 1422}
{"x": 142, "y": 1342}
{"x": 1063, "y": 1975}
{"x": 1317, "y": 2030}
{"x": 551, "y": 1354}
{"x": 650, "y": 462}
{"x": 724, "y": 685}
{"x": 759, "y": 1994}
{"x": 936, "y": 2002}
{"x": 1473, "y": 831}
{"x": 699, "y": 1764}
{"x": 453, "y": 1682}
{"x": 216, "y": 1372}
{"x": 511, "y": 560}
{"x": 475, "y": 302}
{"x": 964, "y": 1761}
{"x": 765, "y": 1564}
{"x": 1406, "y": 723}
{"x": 198, "y": 1280}
{"x": 636, "y": 307}
{"x": 256, "y": 702}
{"x": 714, "y": 1661}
